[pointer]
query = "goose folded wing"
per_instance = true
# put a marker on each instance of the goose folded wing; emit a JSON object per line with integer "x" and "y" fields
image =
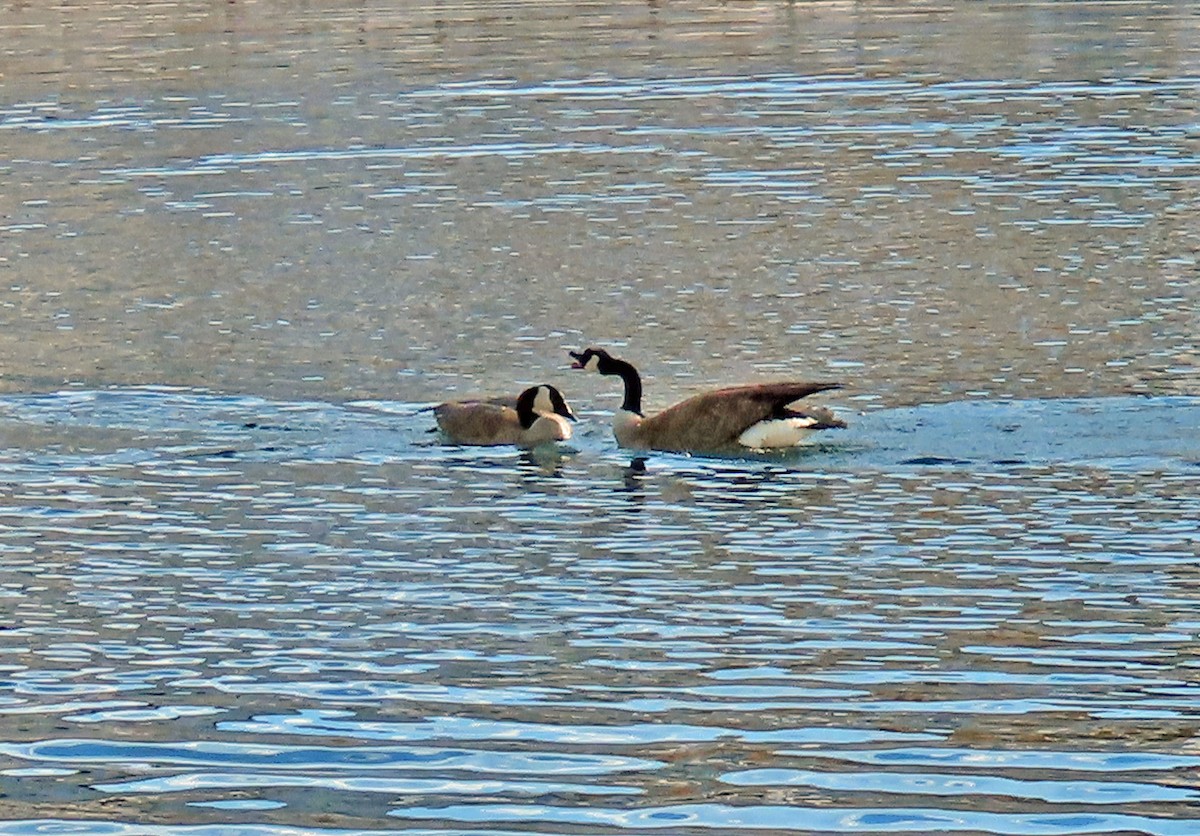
{"x": 478, "y": 423}
{"x": 714, "y": 420}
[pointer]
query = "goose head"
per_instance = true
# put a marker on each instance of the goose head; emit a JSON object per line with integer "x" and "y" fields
{"x": 542, "y": 401}
{"x": 593, "y": 360}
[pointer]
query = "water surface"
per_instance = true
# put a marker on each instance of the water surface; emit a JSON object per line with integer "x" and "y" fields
{"x": 244, "y": 589}
{"x": 299, "y": 613}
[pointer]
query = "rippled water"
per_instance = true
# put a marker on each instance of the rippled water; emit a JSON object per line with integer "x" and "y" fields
{"x": 232, "y": 609}
{"x": 401, "y": 200}
{"x": 244, "y": 589}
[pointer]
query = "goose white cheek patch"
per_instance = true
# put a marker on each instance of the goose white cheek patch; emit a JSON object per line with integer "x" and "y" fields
{"x": 543, "y": 403}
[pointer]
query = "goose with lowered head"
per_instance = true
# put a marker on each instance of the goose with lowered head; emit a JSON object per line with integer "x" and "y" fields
{"x": 757, "y": 415}
{"x": 538, "y": 416}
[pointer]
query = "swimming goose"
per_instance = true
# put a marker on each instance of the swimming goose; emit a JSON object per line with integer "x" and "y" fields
{"x": 755, "y": 416}
{"x": 535, "y": 417}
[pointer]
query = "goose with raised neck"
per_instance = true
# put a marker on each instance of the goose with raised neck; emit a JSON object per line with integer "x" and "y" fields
{"x": 754, "y": 416}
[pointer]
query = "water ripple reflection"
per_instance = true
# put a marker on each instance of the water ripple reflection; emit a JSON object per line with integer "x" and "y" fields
{"x": 953, "y": 617}
{"x": 295, "y": 611}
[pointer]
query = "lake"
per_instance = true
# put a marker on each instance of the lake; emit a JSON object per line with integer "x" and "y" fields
{"x": 245, "y": 245}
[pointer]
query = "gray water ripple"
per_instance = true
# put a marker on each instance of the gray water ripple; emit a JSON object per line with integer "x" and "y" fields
{"x": 955, "y": 784}
{"x": 981, "y": 758}
{"x": 287, "y": 758}
{"x": 231, "y": 577}
{"x": 840, "y": 820}
{"x": 218, "y": 164}
{"x": 243, "y": 781}
{"x": 335, "y": 724}
{"x": 99, "y": 827}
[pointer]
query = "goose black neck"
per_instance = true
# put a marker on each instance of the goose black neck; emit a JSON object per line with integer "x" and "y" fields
{"x": 633, "y": 384}
{"x": 525, "y": 413}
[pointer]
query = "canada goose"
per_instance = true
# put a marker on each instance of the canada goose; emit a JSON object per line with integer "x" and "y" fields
{"x": 755, "y": 416}
{"x": 535, "y": 417}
